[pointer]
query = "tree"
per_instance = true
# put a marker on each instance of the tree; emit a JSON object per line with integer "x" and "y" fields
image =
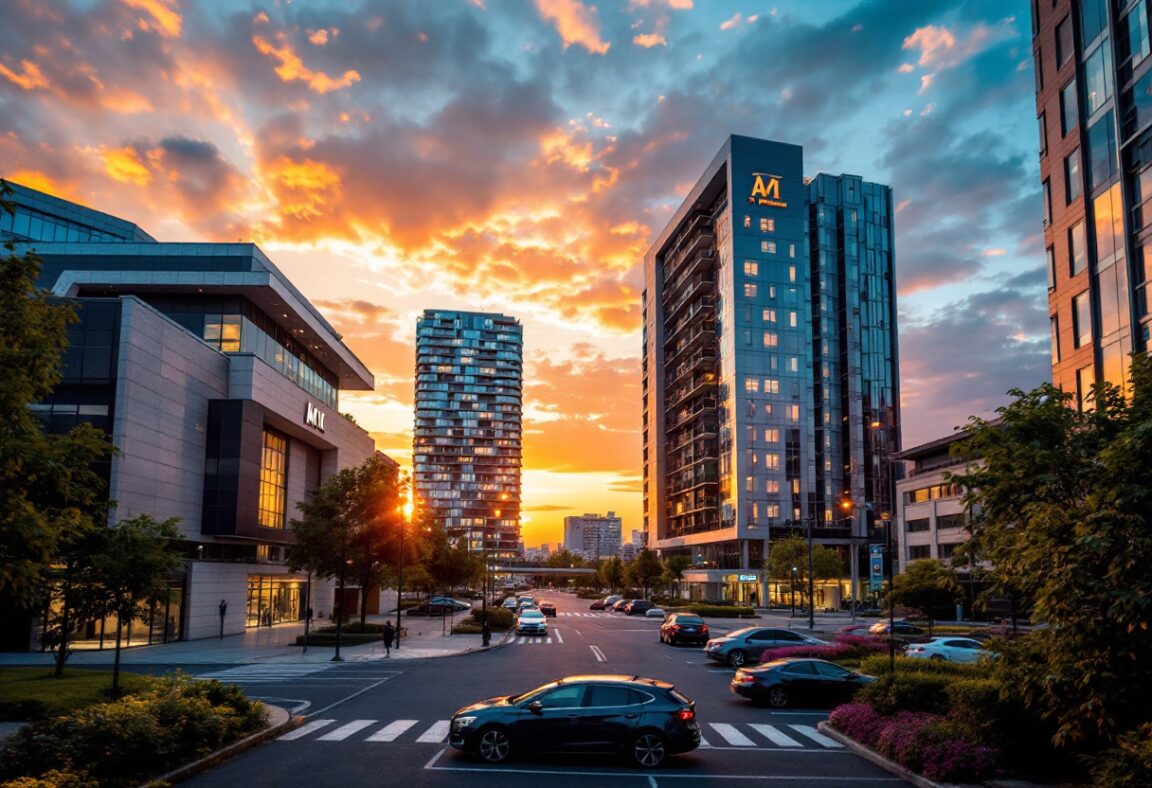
{"x": 131, "y": 564}
{"x": 612, "y": 569}
{"x": 674, "y": 566}
{"x": 1061, "y": 505}
{"x": 644, "y": 570}
{"x": 52, "y": 493}
{"x": 785, "y": 554}
{"x": 450, "y": 563}
{"x": 349, "y": 528}
{"x": 927, "y": 585}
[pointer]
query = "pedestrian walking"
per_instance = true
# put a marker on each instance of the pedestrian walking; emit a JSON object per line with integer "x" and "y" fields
{"x": 389, "y": 633}
{"x": 485, "y": 633}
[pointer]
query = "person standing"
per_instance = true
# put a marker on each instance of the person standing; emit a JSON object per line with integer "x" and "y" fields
{"x": 389, "y": 633}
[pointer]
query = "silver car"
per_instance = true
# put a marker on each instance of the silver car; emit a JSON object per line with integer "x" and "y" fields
{"x": 531, "y": 622}
{"x": 746, "y": 645}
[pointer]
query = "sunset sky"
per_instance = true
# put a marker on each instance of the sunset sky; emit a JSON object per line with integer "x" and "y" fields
{"x": 518, "y": 156}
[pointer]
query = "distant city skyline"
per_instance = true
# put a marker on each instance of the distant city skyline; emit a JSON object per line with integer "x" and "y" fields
{"x": 519, "y": 158}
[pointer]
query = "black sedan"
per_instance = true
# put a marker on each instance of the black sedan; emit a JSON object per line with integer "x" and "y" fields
{"x": 638, "y": 607}
{"x": 548, "y": 609}
{"x": 798, "y": 681}
{"x": 437, "y": 608}
{"x": 644, "y": 720}
{"x": 683, "y": 628}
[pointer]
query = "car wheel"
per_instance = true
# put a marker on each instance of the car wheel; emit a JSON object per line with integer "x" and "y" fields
{"x": 777, "y": 697}
{"x": 737, "y": 658}
{"x": 648, "y": 750}
{"x": 494, "y": 745}
{"x": 937, "y": 657}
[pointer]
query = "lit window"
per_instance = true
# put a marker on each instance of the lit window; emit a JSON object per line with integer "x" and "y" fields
{"x": 792, "y": 318}
{"x": 747, "y": 221}
{"x": 792, "y": 251}
{"x": 794, "y": 413}
{"x": 793, "y": 364}
{"x": 748, "y": 483}
{"x": 772, "y": 487}
{"x": 273, "y": 480}
{"x": 770, "y": 339}
{"x": 764, "y": 247}
{"x": 772, "y": 435}
{"x": 769, "y": 315}
{"x": 791, "y": 273}
{"x": 751, "y": 268}
{"x": 767, "y": 225}
{"x": 771, "y": 386}
{"x": 772, "y": 461}
{"x": 771, "y": 247}
{"x": 772, "y": 510}
{"x": 751, "y": 384}
{"x": 749, "y": 290}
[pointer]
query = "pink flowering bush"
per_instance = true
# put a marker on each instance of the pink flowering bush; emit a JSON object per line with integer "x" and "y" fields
{"x": 903, "y": 735}
{"x": 858, "y": 721}
{"x": 959, "y": 761}
{"x": 845, "y": 647}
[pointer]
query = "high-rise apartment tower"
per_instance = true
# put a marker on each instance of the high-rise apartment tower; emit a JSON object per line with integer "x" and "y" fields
{"x": 1094, "y": 110}
{"x": 466, "y": 447}
{"x": 771, "y": 401}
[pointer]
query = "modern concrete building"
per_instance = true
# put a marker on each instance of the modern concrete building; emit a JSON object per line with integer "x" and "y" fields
{"x": 218, "y": 382}
{"x": 593, "y": 535}
{"x": 930, "y": 514}
{"x": 771, "y": 399}
{"x": 466, "y": 447}
{"x": 1094, "y": 112}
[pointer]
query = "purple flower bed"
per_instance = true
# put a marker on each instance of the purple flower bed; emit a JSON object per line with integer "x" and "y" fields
{"x": 845, "y": 647}
{"x": 858, "y": 721}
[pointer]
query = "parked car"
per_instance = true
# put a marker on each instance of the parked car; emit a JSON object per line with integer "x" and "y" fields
{"x": 642, "y": 719}
{"x": 434, "y": 609}
{"x": 900, "y": 629}
{"x": 619, "y": 605}
{"x": 859, "y": 630}
{"x": 525, "y": 604}
{"x": 509, "y": 603}
{"x": 637, "y": 606}
{"x": 457, "y": 604}
{"x": 952, "y": 649}
{"x": 597, "y": 604}
{"x": 605, "y": 603}
{"x": 531, "y": 622}
{"x": 654, "y": 612}
{"x": 746, "y": 645}
{"x": 797, "y": 681}
{"x": 683, "y": 628}
{"x": 548, "y": 609}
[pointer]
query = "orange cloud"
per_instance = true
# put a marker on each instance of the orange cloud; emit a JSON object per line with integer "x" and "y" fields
{"x": 649, "y": 40}
{"x": 165, "y": 20}
{"x": 292, "y": 68}
{"x": 303, "y": 187}
{"x": 29, "y": 78}
{"x": 124, "y": 165}
{"x": 35, "y": 179}
{"x": 575, "y": 22}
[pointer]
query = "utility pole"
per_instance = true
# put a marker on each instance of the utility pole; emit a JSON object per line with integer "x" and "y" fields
{"x": 811, "y": 580}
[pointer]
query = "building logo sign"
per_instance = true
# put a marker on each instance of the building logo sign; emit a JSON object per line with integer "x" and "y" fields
{"x": 314, "y": 417}
{"x": 766, "y": 190}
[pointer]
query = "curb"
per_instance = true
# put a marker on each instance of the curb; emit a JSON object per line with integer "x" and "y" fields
{"x": 868, "y": 754}
{"x": 279, "y": 721}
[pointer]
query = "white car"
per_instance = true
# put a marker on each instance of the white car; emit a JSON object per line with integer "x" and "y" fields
{"x": 531, "y": 622}
{"x": 950, "y": 649}
{"x": 654, "y": 612}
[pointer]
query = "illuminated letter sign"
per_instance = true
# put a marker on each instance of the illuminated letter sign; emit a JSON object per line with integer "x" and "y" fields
{"x": 766, "y": 190}
{"x": 314, "y": 417}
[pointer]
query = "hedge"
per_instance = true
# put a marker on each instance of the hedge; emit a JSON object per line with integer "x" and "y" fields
{"x": 498, "y": 618}
{"x": 346, "y": 639}
{"x": 126, "y": 742}
{"x": 719, "y": 611}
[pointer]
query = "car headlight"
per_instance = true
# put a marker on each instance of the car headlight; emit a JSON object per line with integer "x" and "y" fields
{"x": 463, "y": 722}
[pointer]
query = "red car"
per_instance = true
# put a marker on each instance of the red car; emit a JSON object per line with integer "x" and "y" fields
{"x": 548, "y": 609}
{"x": 597, "y": 605}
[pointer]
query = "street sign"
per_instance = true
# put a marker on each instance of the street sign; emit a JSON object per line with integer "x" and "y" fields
{"x": 876, "y": 567}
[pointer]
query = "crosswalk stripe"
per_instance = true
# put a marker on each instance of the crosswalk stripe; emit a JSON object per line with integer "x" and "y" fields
{"x": 704, "y": 743}
{"x": 392, "y": 730}
{"x": 305, "y": 729}
{"x": 344, "y": 731}
{"x": 731, "y": 735}
{"x": 436, "y": 733}
{"x": 815, "y": 735}
{"x": 774, "y": 735}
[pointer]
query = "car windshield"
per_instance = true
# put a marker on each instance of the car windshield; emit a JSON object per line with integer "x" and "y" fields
{"x": 531, "y": 614}
{"x": 689, "y": 620}
{"x": 739, "y": 633}
{"x": 531, "y": 693}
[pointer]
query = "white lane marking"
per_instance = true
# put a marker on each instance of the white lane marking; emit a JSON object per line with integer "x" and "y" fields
{"x": 652, "y": 781}
{"x": 596, "y": 652}
{"x": 392, "y": 730}
{"x": 816, "y": 736}
{"x": 549, "y": 640}
{"x": 774, "y": 735}
{"x": 577, "y": 632}
{"x": 344, "y": 731}
{"x": 558, "y": 638}
{"x": 436, "y": 733}
{"x": 731, "y": 735}
{"x": 704, "y": 743}
{"x": 305, "y": 729}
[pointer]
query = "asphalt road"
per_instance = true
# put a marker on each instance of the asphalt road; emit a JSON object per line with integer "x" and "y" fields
{"x": 386, "y": 723}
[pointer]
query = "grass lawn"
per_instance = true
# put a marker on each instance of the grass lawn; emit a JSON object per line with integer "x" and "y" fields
{"x": 33, "y": 693}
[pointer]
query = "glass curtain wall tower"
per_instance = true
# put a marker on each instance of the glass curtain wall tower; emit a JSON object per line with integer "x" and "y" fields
{"x": 770, "y": 388}
{"x": 467, "y": 442}
{"x": 1094, "y": 115}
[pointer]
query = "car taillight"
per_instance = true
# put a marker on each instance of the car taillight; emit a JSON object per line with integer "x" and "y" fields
{"x": 674, "y": 627}
{"x": 704, "y": 628}
{"x": 686, "y": 714}
{"x": 743, "y": 678}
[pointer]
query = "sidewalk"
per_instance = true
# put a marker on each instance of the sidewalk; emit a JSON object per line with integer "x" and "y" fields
{"x": 275, "y": 644}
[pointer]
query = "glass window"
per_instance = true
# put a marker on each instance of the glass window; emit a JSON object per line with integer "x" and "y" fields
{"x": 1039, "y": 70}
{"x": 1072, "y": 187}
{"x": 1101, "y": 151}
{"x": 792, "y": 318}
{"x": 1081, "y": 320}
{"x": 1051, "y": 267}
{"x": 1108, "y": 212}
{"x": 749, "y": 290}
{"x": 273, "y": 480}
{"x": 1077, "y": 252}
{"x": 792, "y": 251}
{"x": 1114, "y": 366}
{"x": 1093, "y": 19}
{"x": 769, "y": 315}
{"x": 1054, "y": 322}
{"x": 1064, "y": 46}
{"x": 566, "y": 697}
{"x": 1047, "y": 203}
{"x": 1137, "y": 24}
{"x": 1112, "y": 288}
{"x": 767, "y": 225}
{"x": 600, "y": 695}
{"x": 747, "y": 221}
{"x": 770, "y": 339}
{"x": 1043, "y": 134}
{"x": 1098, "y": 82}
{"x": 770, "y": 247}
{"x": 751, "y": 268}
{"x": 764, "y": 246}
{"x": 1084, "y": 380}
{"x": 1068, "y": 113}
{"x": 1139, "y": 105}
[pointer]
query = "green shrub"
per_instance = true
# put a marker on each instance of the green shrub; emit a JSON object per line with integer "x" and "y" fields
{"x": 353, "y": 628}
{"x": 346, "y": 639}
{"x": 498, "y": 618}
{"x": 924, "y": 692}
{"x": 54, "y": 779}
{"x": 878, "y": 666}
{"x": 720, "y": 611}
{"x": 1128, "y": 765}
{"x": 175, "y": 721}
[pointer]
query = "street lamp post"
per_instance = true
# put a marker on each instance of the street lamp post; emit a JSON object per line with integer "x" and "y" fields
{"x": 891, "y": 598}
{"x": 794, "y": 570}
{"x": 400, "y": 582}
{"x": 811, "y": 579}
{"x": 340, "y": 612}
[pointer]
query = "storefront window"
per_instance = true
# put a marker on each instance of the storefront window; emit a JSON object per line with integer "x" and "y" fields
{"x": 273, "y": 480}
{"x": 274, "y": 600}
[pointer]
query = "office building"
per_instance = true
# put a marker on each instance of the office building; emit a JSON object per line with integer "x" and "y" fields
{"x": 466, "y": 446}
{"x": 771, "y": 399}
{"x": 220, "y": 385}
{"x": 1094, "y": 115}
{"x": 592, "y": 535}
